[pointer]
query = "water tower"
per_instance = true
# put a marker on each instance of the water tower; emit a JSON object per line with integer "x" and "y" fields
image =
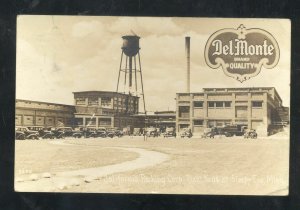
{"x": 130, "y": 67}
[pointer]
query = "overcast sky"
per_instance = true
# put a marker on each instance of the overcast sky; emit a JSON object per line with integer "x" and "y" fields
{"x": 58, "y": 55}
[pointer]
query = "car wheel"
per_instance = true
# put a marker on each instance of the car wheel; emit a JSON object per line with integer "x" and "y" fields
{"x": 21, "y": 137}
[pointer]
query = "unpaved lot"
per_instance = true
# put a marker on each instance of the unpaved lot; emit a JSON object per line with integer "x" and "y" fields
{"x": 194, "y": 166}
{"x": 34, "y": 156}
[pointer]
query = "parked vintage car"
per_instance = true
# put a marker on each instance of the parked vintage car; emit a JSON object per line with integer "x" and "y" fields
{"x": 29, "y": 134}
{"x": 170, "y": 132}
{"x": 68, "y": 132}
{"x": 152, "y": 132}
{"x": 101, "y": 132}
{"x": 250, "y": 133}
{"x": 44, "y": 133}
{"x": 210, "y": 132}
{"x": 113, "y": 132}
{"x": 89, "y": 132}
{"x": 20, "y": 135}
{"x": 58, "y": 134}
{"x": 137, "y": 132}
{"x": 186, "y": 132}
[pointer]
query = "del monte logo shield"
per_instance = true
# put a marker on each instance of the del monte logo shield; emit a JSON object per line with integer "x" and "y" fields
{"x": 241, "y": 52}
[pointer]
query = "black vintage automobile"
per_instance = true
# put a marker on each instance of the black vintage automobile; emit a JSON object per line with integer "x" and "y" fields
{"x": 152, "y": 132}
{"x": 209, "y": 133}
{"x": 101, "y": 132}
{"x": 62, "y": 132}
{"x": 113, "y": 132}
{"x": 186, "y": 132}
{"x": 250, "y": 134}
{"x": 28, "y": 134}
{"x": 89, "y": 132}
{"x": 19, "y": 135}
{"x": 44, "y": 133}
{"x": 58, "y": 134}
{"x": 170, "y": 132}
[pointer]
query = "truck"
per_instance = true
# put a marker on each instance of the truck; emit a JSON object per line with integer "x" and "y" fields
{"x": 233, "y": 130}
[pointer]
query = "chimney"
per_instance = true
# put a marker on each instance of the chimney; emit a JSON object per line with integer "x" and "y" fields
{"x": 187, "y": 52}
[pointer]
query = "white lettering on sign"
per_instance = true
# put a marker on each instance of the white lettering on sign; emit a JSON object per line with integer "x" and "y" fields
{"x": 241, "y": 47}
{"x": 241, "y": 52}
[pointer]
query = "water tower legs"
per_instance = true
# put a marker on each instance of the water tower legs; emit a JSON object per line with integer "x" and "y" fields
{"x": 131, "y": 66}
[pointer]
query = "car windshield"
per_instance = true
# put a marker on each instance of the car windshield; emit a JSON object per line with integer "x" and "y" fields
{"x": 24, "y": 129}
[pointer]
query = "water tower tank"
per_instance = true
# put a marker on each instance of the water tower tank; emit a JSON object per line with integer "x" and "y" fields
{"x": 131, "y": 45}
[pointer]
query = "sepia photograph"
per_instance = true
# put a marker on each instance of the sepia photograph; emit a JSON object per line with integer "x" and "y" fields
{"x": 152, "y": 105}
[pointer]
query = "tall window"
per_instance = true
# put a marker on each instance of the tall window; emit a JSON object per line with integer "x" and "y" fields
{"x": 80, "y": 101}
{"x": 219, "y": 104}
{"x": 227, "y": 104}
{"x": 211, "y": 104}
{"x": 93, "y": 101}
{"x": 198, "y": 104}
{"x": 198, "y": 122}
{"x": 257, "y": 104}
{"x": 105, "y": 121}
{"x": 184, "y": 111}
{"x": 106, "y": 101}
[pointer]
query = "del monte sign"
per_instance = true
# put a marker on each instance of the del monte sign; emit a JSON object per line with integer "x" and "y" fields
{"x": 242, "y": 52}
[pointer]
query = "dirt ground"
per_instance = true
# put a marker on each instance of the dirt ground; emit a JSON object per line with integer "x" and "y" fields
{"x": 227, "y": 166}
{"x": 34, "y": 156}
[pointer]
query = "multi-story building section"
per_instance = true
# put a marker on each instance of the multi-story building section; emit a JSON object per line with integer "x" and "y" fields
{"x": 36, "y": 113}
{"x": 257, "y": 108}
{"x": 105, "y": 109}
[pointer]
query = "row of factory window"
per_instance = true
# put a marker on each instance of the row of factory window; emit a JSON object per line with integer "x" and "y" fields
{"x": 40, "y": 120}
{"x": 41, "y": 105}
{"x": 223, "y": 104}
{"x": 220, "y": 123}
{"x": 212, "y": 123}
{"x": 105, "y": 101}
{"x": 101, "y": 121}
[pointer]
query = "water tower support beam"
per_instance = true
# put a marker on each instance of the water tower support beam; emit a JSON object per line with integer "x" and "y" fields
{"x": 135, "y": 75}
{"x": 142, "y": 83}
{"x": 125, "y": 74}
{"x": 120, "y": 69}
{"x": 130, "y": 72}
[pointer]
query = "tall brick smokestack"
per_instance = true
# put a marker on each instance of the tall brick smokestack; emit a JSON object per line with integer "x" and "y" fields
{"x": 187, "y": 52}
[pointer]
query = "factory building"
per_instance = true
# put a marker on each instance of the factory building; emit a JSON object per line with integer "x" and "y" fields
{"x": 257, "y": 108}
{"x": 91, "y": 108}
{"x": 36, "y": 113}
{"x": 158, "y": 119}
{"x": 105, "y": 109}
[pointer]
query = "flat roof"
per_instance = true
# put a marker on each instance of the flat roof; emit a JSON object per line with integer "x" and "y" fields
{"x": 156, "y": 114}
{"x": 101, "y": 91}
{"x": 42, "y": 102}
{"x": 205, "y": 90}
